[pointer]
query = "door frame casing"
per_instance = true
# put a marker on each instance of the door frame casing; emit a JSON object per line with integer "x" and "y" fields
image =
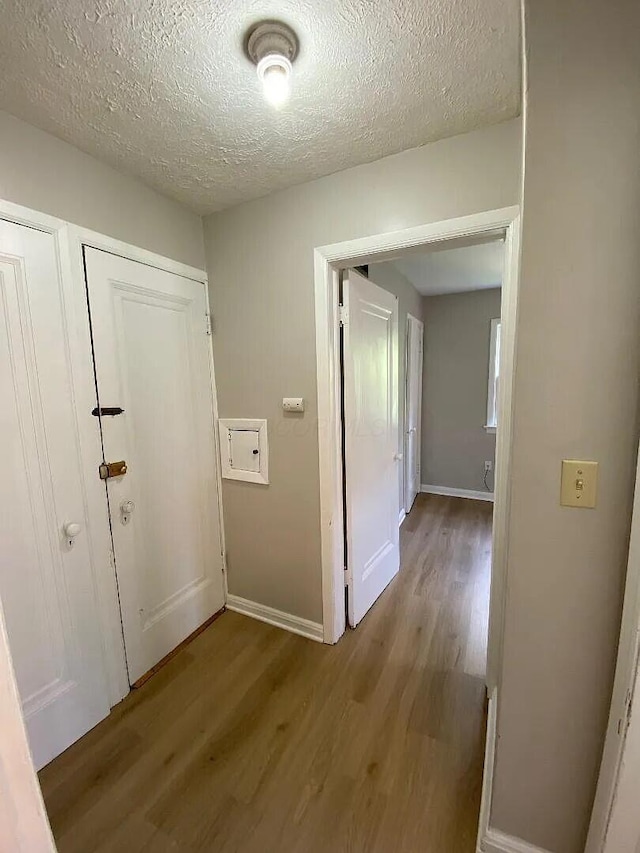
{"x": 420, "y": 324}
{"x": 328, "y": 261}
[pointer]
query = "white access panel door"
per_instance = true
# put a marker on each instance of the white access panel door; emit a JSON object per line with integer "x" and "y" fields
{"x": 370, "y": 373}
{"x": 244, "y": 449}
{"x": 413, "y": 410}
{"x": 46, "y": 585}
{"x": 152, "y": 359}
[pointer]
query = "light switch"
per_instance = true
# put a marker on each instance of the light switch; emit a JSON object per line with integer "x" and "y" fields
{"x": 579, "y": 483}
{"x": 293, "y": 404}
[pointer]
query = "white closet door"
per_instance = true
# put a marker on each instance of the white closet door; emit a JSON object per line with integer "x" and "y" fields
{"x": 153, "y": 360}
{"x": 371, "y": 440}
{"x": 46, "y": 585}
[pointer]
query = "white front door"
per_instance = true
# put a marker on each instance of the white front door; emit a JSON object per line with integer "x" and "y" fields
{"x": 152, "y": 357}
{"x": 370, "y": 374}
{"x": 46, "y": 583}
{"x": 413, "y": 410}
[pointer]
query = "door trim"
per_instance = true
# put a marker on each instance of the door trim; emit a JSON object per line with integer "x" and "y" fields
{"x": 328, "y": 261}
{"x": 86, "y": 237}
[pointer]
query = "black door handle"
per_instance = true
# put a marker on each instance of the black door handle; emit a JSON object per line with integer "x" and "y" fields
{"x": 107, "y": 410}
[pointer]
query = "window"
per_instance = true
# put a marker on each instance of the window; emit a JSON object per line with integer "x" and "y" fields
{"x": 494, "y": 376}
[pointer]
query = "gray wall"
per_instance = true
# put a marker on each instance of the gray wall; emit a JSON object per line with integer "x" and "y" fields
{"x": 455, "y": 443}
{"x": 260, "y": 264}
{"x": 576, "y": 397}
{"x": 46, "y": 174}
{"x": 409, "y": 302}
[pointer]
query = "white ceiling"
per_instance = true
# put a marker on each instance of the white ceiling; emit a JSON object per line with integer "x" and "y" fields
{"x": 454, "y": 270}
{"x": 161, "y": 88}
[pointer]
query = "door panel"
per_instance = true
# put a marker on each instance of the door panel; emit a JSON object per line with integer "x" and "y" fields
{"x": 152, "y": 359}
{"x": 46, "y": 585}
{"x": 371, "y": 440}
{"x": 415, "y": 331}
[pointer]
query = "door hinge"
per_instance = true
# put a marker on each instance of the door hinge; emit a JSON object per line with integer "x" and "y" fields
{"x": 347, "y": 576}
{"x": 208, "y": 323}
{"x": 343, "y": 315}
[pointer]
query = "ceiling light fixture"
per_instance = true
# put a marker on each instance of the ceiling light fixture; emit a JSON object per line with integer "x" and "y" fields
{"x": 272, "y": 46}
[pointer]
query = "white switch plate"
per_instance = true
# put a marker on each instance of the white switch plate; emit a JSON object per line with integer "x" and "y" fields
{"x": 293, "y": 404}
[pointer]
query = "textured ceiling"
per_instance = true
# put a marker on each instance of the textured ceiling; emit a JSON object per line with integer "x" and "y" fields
{"x": 161, "y": 88}
{"x": 454, "y": 270}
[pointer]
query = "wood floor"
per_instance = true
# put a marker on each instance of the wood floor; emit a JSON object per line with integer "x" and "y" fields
{"x": 254, "y": 739}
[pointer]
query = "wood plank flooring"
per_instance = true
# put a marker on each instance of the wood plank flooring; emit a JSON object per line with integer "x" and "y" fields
{"x": 255, "y": 740}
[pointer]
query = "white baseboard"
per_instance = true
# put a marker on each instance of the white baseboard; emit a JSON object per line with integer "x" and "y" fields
{"x": 401, "y": 517}
{"x": 294, "y": 624}
{"x": 457, "y": 493}
{"x": 495, "y": 841}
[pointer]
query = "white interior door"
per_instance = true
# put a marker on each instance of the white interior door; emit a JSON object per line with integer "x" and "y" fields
{"x": 623, "y": 833}
{"x": 46, "y": 583}
{"x": 620, "y": 770}
{"x": 413, "y": 410}
{"x": 152, "y": 357}
{"x": 370, "y": 370}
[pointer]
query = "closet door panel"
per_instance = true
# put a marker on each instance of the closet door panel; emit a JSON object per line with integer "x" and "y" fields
{"x": 152, "y": 356}
{"x": 46, "y": 582}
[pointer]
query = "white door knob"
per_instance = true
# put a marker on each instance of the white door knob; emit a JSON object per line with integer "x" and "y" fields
{"x": 397, "y": 457}
{"x": 71, "y": 530}
{"x": 126, "y": 508}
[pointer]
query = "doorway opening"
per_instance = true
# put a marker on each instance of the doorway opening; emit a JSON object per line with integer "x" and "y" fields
{"x": 391, "y": 385}
{"x": 361, "y": 330}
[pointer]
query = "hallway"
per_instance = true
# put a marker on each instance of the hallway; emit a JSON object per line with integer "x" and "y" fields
{"x": 254, "y": 739}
